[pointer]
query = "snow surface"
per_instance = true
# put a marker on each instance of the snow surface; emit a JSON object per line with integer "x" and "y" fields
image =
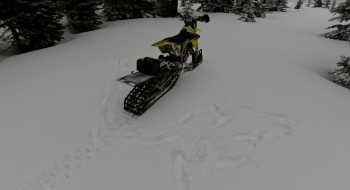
{"x": 259, "y": 113}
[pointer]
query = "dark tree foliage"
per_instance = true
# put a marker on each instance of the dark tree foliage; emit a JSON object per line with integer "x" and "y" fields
{"x": 333, "y": 4}
{"x": 298, "y": 5}
{"x": 318, "y": 3}
{"x": 214, "y": 6}
{"x": 128, "y": 9}
{"x": 237, "y": 7}
{"x": 277, "y": 5}
{"x": 33, "y": 24}
{"x": 271, "y": 5}
{"x": 327, "y": 4}
{"x": 342, "y": 32}
{"x": 247, "y": 14}
{"x": 342, "y": 76}
{"x": 81, "y": 15}
{"x": 167, "y": 8}
{"x": 259, "y": 9}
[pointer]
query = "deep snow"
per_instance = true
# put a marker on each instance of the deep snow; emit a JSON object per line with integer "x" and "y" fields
{"x": 259, "y": 113}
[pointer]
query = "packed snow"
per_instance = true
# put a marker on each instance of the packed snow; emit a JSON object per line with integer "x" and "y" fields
{"x": 261, "y": 111}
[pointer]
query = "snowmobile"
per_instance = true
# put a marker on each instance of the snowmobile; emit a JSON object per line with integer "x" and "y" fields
{"x": 156, "y": 77}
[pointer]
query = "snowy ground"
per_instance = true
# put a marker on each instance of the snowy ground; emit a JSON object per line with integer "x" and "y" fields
{"x": 259, "y": 113}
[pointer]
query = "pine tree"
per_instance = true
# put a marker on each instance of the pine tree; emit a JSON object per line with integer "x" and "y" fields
{"x": 167, "y": 8}
{"x": 342, "y": 32}
{"x": 81, "y": 15}
{"x": 278, "y": 5}
{"x": 247, "y": 14}
{"x": 327, "y": 4}
{"x": 271, "y": 5}
{"x": 298, "y": 5}
{"x": 183, "y": 2}
{"x": 187, "y": 11}
{"x": 128, "y": 9}
{"x": 214, "y": 6}
{"x": 333, "y": 5}
{"x": 308, "y": 3}
{"x": 259, "y": 9}
{"x": 33, "y": 24}
{"x": 318, "y": 3}
{"x": 238, "y": 5}
{"x": 342, "y": 76}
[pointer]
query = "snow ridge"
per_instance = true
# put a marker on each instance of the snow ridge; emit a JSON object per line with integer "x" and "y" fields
{"x": 213, "y": 138}
{"x": 111, "y": 125}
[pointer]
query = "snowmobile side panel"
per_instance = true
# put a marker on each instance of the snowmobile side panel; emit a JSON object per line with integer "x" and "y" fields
{"x": 134, "y": 79}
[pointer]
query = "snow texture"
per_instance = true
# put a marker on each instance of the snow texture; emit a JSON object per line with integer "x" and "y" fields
{"x": 260, "y": 112}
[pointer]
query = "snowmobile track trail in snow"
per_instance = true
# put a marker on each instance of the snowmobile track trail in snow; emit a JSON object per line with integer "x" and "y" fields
{"x": 212, "y": 138}
{"x": 112, "y": 125}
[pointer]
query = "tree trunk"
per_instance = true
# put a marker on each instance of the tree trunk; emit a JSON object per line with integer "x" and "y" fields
{"x": 333, "y": 5}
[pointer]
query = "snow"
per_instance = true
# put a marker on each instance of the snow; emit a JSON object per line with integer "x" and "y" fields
{"x": 260, "y": 113}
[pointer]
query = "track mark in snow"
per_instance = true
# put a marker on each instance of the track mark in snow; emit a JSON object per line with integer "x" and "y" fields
{"x": 96, "y": 139}
{"x": 214, "y": 137}
{"x": 113, "y": 124}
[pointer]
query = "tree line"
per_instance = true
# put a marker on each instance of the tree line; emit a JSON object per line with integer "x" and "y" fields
{"x": 30, "y": 25}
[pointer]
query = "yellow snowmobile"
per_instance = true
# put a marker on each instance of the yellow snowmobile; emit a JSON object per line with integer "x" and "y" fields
{"x": 155, "y": 77}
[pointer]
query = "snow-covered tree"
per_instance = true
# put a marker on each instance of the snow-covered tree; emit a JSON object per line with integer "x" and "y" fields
{"x": 81, "y": 15}
{"x": 259, "y": 9}
{"x": 187, "y": 11}
{"x": 342, "y": 32}
{"x": 237, "y": 7}
{"x": 298, "y": 5}
{"x": 333, "y": 4}
{"x": 33, "y": 24}
{"x": 342, "y": 76}
{"x": 318, "y": 3}
{"x": 247, "y": 14}
{"x": 182, "y": 4}
{"x": 271, "y": 5}
{"x": 214, "y": 6}
{"x": 327, "y": 4}
{"x": 277, "y": 5}
{"x": 308, "y": 3}
{"x": 127, "y": 9}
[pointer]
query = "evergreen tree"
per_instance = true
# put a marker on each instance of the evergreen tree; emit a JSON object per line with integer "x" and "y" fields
{"x": 298, "y": 5}
{"x": 183, "y": 2}
{"x": 271, "y": 5}
{"x": 238, "y": 5}
{"x": 342, "y": 76}
{"x": 247, "y": 14}
{"x": 187, "y": 11}
{"x": 167, "y": 8}
{"x": 318, "y": 3}
{"x": 259, "y": 9}
{"x": 278, "y": 5}
{"x": 327, "y": 4}
{"x": 81, "y": 15}
{"x": 342, "y": 32}
{"x": 333, "y": 5}
{"x": 127, "y": 9}
{"x": 308, "y": 3}
{"x": 33, "y": 24}
{"x": 214, "y": 6}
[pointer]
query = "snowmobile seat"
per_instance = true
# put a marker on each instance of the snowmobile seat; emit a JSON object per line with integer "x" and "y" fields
{"x": 179, "y": 38}
{"x": 148, "y": 66}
